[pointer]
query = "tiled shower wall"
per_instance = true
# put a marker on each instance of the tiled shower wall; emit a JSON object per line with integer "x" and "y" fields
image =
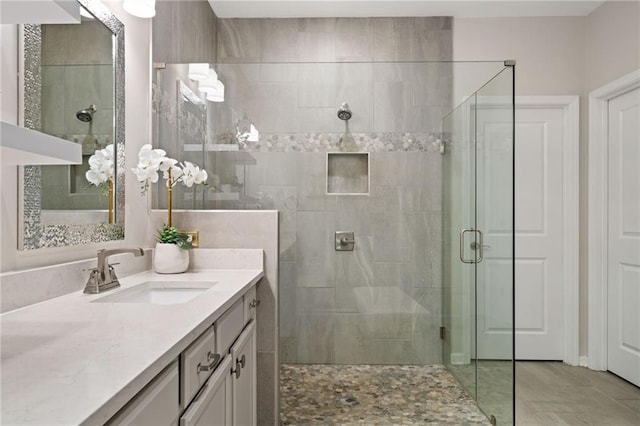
{"x": 381, "y": 302}
{"x": 75, "y": 75}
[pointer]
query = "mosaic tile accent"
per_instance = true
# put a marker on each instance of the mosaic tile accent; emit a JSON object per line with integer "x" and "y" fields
{"x": 374, "y": 395}
{"x": 331, "y": 142}
{"x": 35, "y": 235}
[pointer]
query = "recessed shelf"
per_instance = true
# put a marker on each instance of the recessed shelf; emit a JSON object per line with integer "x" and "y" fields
{"x": 348, "y": 173}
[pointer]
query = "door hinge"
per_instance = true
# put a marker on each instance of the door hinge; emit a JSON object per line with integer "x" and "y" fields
{"x": 443, "y": 333}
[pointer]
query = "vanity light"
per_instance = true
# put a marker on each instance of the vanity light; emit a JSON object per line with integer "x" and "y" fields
{"x": 140, "y": 8}
{"x": 217, "y": 95}
{"x": 198, "y": 72}
{"x": 208, "y": 85}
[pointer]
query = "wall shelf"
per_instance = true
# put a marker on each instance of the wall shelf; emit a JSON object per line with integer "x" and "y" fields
{"x": 211, "y": 147}
{"x": 39, "y": 12}
{"x": 21, "y": 146}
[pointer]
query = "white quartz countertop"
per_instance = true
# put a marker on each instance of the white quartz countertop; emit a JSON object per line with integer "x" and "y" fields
{"x": 68, "y": 361}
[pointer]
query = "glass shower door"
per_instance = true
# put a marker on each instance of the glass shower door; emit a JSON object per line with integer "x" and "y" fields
{"x": 459, "y": 337}
{"x": 478, "y": 266}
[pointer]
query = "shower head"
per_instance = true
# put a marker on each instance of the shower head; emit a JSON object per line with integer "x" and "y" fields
{"x": 344, "y": 113}
{"x": 86, "y": 115}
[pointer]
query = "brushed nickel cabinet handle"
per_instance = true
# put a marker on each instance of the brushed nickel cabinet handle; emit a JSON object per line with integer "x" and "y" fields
{"x": 214, "y": 358}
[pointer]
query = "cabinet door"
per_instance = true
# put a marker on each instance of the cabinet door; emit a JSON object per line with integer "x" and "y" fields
{"x": 156, "y": 405}
{"x": 212, "y": 406}
{"x": 243, "y": 354}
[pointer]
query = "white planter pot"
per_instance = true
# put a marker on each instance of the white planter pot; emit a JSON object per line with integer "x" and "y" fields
{"x": 170, "y": 259}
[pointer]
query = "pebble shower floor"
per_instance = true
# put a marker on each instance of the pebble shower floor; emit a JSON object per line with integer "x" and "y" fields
{"x": 374, "y": 395}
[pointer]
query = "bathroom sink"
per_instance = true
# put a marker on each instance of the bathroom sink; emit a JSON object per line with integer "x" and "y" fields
{"x": 159, "y": 292}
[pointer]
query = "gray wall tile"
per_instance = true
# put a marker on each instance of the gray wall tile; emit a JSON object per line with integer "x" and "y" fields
{"x": 312, "y": 183}
{"x": 354, "y": 39}
{"x": 276, "y": 37}
{"x": 316, "y": 339}
{"x": 276, "y": 115}
{"x": 315, "y": 250}
{"x": 185, "y": 31}
{"x": 239, "y": 40}
{"x": 288, "y": 300}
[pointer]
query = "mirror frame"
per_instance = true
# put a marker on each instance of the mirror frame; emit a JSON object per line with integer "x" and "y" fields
{"x": 34, "y": 234}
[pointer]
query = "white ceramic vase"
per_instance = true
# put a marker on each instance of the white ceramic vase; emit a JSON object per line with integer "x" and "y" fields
{"x": 170, "y": 259}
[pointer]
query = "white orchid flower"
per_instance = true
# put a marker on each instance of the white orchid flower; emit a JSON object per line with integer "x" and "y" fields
{"x": 193, "y": 175}
{"x": 101, "y": 167}
{"x": 152, "y": 161}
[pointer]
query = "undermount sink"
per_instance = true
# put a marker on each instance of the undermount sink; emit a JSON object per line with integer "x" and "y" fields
{"x": 159, "y": 292}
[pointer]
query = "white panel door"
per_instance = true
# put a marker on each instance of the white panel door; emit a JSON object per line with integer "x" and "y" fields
{"x": 494, "y": 218}
{"x": 538, "y": 223}
{"x": 623, "y": 288}
{"x": 538, "y": 199}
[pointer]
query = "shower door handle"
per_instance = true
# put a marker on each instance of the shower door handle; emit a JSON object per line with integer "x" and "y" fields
{"x": 477, "y": 259}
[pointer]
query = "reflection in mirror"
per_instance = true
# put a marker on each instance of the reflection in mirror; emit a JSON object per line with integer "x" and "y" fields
{"x": 74, "y": 89}
{"x": 194, "y": 121}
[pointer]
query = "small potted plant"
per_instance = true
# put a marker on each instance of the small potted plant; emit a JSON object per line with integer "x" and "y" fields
{"x": 171, "y": 254}
{"x": 172, "y": 250}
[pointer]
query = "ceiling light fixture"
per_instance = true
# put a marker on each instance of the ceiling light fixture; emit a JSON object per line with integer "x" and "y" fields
{"x": 208, "y": 85}
{"x": 140, "y": 8}
{"x": 198, "y": 72}
{"x": 217, "y": 95}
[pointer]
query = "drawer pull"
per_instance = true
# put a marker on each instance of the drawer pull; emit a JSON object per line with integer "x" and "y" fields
{"x": 214, "y": 358}
{"x": 254, "y": 303}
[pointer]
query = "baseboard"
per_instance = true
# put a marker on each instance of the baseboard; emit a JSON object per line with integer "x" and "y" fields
{"x": 584, "y": 361}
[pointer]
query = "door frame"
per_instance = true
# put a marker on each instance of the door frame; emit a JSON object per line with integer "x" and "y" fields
{"x": 570, "y": 106}
{"x": 598, "y": 250}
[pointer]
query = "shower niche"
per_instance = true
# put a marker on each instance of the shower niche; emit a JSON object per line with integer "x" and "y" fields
{"x": 348, "y": 173}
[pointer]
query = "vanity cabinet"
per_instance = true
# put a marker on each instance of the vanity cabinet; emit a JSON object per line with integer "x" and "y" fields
{"x": 157, "y": 404}
{"x": 244, "y": 389}
{"x": 229, "y": 396}
{"x": 213, "y": 381}
{"x": 213, "y": 405}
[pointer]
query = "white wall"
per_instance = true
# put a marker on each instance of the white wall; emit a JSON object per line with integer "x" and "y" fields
{"x": 548, "y": 51}
{"x": 560, "y": 56}
{"x": 612, "y": 42}
{"x": 137, "y": 133}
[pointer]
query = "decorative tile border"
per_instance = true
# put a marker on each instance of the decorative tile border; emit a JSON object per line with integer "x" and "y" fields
{"x": 351, "y": 142}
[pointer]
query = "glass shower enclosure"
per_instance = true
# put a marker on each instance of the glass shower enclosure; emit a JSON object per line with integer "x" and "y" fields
{"x": 423, "y": 190}
{"x": 478, "y": 225}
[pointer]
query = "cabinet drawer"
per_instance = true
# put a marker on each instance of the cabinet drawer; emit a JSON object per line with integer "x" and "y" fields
{"x": 157, "y": 404}
{"x": 212, "y": 406}
{"x": 250, "y": 305}
{"x": 229, "y": 326}
{"x": 198, "y": 361}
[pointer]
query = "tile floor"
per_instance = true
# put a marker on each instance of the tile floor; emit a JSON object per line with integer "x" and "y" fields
{"x": 374, "y": 395}
{"x": 547, "y": 394}
{"x": 553, "y": 393}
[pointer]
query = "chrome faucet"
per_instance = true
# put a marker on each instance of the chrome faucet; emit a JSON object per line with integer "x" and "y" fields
{"x": 103, "y": 277}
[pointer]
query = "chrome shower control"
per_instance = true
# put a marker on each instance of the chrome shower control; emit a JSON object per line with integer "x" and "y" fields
{"x": 344, "y": 241}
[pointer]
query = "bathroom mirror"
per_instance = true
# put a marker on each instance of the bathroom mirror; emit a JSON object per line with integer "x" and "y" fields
{"x": 74, "y": 89}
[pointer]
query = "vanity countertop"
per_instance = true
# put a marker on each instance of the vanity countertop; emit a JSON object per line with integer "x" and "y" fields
{"x": 68, "y": 361}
